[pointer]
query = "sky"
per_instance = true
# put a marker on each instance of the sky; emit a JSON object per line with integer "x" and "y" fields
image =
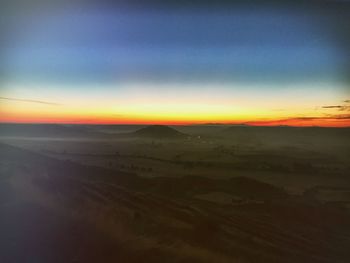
{"x": 253, "y": 62}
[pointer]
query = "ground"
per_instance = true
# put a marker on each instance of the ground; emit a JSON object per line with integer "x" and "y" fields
{"x": 218, "y": 194}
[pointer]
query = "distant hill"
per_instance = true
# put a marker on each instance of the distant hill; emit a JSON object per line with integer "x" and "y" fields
{"x": 48, "y": 130}
{"x": 282, "y": 131}
{"x": 159, "y": 132}
{"x": 287, "y": 134}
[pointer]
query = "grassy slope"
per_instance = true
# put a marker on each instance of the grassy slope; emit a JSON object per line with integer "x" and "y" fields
{"x": 58, "y": 211}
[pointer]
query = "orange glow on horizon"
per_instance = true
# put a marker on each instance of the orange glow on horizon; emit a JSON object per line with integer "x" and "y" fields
{"x": 169, "y": 105}
{"x": 297, "y": 122}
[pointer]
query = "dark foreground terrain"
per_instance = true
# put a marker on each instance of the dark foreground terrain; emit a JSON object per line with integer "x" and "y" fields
{"x": 192, "y": 194}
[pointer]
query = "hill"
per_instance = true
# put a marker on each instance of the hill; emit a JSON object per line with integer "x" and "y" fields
{"x": 48, "y": 130}
{"x": 159, "y": 132}
{"x": 287, "y": 134}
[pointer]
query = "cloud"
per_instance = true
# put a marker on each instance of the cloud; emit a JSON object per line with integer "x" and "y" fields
{"x": 333, "y": 107}
{"x": 328, "y": 117}
{"x": 339, "y": 107}
{"x": 31, "y": 101}
{"x": 329, "y": 120}
{"x": 341, "y": 117}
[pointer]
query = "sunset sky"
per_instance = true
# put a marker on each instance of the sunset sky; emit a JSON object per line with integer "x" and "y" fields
{"x": 261, "y": 64}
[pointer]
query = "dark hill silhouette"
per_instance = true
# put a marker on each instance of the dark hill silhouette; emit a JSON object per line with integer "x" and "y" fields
{"x": 48, "y": 130}
{"x": 159, "y": 132}
{"x": 286, "y": 130}
{"x": 291, "y": 134}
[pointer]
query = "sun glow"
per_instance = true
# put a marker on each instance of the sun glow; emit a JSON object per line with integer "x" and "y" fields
{"x": 173, "y": 104}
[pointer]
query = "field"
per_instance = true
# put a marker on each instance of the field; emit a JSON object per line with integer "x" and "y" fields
{"x": 199, "y": 193}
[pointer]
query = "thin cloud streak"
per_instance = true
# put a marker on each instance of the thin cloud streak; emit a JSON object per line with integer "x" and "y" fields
{"x": 31, "y": 101}
{"x": 340, "y": 119}
{"x": 332, "y": 107}
{"x": 339, "y": 107}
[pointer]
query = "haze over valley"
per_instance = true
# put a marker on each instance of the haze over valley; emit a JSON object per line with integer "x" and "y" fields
{"x": 200, "y": 193}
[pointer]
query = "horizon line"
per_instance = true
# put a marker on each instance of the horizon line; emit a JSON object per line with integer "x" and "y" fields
{"x": 181, "y": 124}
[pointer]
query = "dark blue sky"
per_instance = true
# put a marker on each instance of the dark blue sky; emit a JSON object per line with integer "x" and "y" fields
{"x": 96, "y": 44}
